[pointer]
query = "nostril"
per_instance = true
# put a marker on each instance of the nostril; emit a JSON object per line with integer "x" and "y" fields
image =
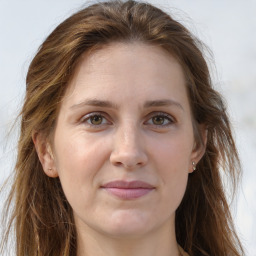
{"x": 117, "y": 163}
{"x": 128, "y": 162}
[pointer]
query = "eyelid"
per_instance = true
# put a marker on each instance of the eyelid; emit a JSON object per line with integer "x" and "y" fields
{"x": 108, "y": 121}
{"x": 86, "y": 117}
{"x": 163, "y": 114}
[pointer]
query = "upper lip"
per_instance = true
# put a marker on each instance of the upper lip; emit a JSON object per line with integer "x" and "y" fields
{"x": 121, "y": 184}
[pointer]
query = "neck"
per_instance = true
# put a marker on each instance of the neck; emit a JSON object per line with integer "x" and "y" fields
{"x": 158, "y": 242}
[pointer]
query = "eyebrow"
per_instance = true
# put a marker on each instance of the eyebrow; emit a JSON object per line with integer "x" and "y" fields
{"x": 108, "y": 104}
{"x": 94, "y": 102}
{"x": 162, "y": 103}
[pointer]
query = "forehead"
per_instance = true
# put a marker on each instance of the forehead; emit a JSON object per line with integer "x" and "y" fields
{"x": 136, "y": 69}
{"x": 141, "y": 54}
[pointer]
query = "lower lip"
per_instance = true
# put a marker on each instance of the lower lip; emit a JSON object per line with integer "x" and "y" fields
{"x": 129, "y": 193}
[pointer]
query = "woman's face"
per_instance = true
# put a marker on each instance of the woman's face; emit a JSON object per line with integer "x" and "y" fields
{"x": 123, "y": 145}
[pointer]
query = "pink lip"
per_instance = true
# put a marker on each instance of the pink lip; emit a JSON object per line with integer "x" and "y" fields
{"x": 128, "y": 190}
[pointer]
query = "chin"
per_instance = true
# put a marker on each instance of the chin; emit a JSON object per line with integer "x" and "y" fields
{"x": 125, "y": 224}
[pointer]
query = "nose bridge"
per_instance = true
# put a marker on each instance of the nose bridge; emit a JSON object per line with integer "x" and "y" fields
{"x": 128, "y": 149}
{"x": 128, "y": 133}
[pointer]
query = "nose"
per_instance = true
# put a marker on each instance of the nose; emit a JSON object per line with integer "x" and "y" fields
{"x": 129, "y": 148}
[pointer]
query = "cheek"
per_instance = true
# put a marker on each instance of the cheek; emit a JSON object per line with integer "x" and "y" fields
{"x": 78, "y": 153}
{"x": 172, "y": 158}
{"x": 78, "y": 162}
{"x": 173, "y": 153}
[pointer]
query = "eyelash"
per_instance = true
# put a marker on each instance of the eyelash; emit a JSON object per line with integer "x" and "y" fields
{"x": 86, "y": 119}
{"x": 166, "y": 117}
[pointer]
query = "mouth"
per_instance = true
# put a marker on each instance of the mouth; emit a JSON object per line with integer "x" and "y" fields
{"x": 128, "y": 190}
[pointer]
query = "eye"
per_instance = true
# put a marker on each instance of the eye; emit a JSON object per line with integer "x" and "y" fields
{"x": 94, "y": 119}
{"x": 160, "y": 119}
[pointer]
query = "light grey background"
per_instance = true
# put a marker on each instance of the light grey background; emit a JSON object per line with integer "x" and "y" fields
{"x": 228, "y": 27}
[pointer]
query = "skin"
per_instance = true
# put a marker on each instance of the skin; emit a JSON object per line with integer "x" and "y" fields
{"x": 125, "y": 116}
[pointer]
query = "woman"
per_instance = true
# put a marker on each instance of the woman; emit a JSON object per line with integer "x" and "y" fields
{"x": 122, "y": 142}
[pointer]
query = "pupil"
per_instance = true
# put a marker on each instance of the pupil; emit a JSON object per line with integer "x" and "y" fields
{"x": 96, "y": 119}
{"x": 158, "y": 120}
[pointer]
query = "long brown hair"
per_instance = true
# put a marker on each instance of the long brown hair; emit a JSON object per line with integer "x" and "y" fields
{"x": 41, "y": 216}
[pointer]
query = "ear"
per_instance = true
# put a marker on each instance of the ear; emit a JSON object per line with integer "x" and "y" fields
{"x": 45, "y": 155}
{"x": 199, "y": 147}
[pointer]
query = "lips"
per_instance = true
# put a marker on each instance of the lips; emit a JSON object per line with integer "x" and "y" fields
{"x": 128, "y": 190}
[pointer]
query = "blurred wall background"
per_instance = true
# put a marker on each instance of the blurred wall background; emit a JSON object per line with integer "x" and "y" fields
{"x": 228, "y": 27}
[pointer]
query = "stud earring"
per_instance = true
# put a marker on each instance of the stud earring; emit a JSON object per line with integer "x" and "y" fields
{"x": 50, "y": 169}
{"x": 194, "y": 166}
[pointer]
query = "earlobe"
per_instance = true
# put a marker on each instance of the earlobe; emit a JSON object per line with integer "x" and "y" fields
{"x": 45, "y": 155}
{"x": 199, "y": 148}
